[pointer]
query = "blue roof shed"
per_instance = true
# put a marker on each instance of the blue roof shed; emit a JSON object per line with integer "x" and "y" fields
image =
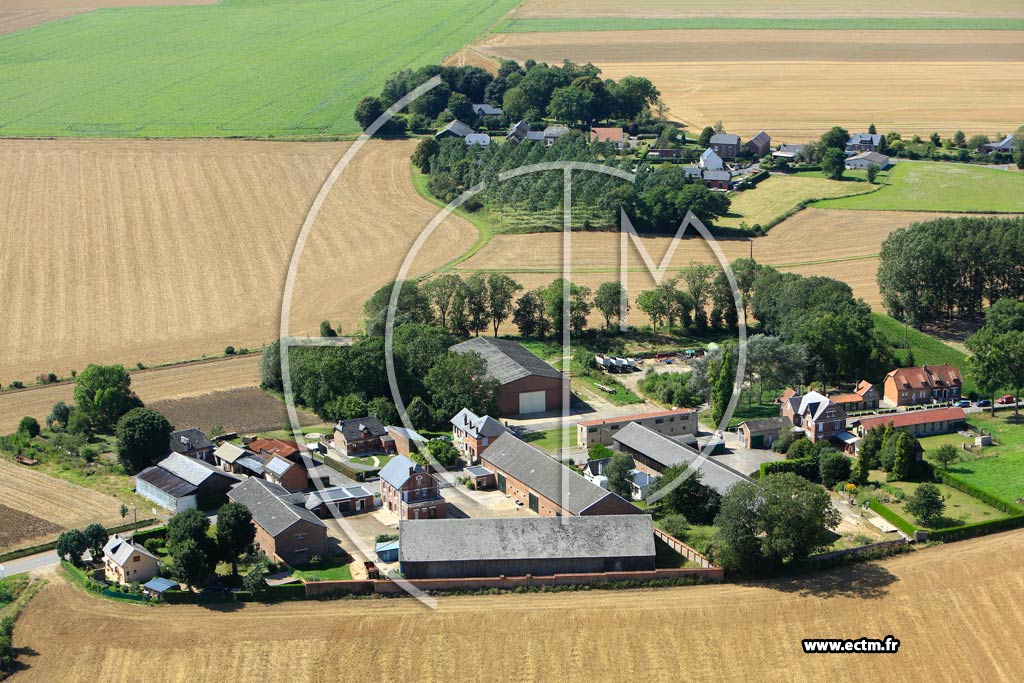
{"x": 387, "y": 551}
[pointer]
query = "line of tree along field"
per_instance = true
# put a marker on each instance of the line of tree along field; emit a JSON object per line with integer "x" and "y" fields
{"x": 951, "y": 266}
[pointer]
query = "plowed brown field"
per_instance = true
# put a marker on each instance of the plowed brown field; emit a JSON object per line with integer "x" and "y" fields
{"x": 796, "y": 84}
{"x": 56, "y": 501}
{"x": 955, "y": 609}
{"x": 179, "y": 381}
{"x": 129, "y": 251}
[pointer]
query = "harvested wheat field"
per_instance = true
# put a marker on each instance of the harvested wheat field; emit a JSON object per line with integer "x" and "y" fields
{"x": 835, "y": 243}
{"x": 54, "y": 504}
{"x": 954, "y": 608}
{"x": 157, "y": 384}
{"x": 537, "y": 9}
{"x": 800, "y": 80}
{"x": 235, "y": 410}
{"x": 159, "y": 251}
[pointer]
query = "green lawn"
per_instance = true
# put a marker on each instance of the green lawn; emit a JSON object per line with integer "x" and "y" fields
{"x": 933, "y": 186}
{"x": 736, "y": 23}
{"x": 960, "y": 507}
{"x": 999, "y": 470}
{"x": 329, "y": 569}
{"x": 368, "y": 460}
{"x": 250, "y": 68}
{"x": 927, "y": 349}
{"x": 552, "y": 439}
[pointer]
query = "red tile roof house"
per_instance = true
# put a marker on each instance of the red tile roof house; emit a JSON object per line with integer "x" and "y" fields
{"x": 926, "y": 384}
{"x": 917, "y": 422}
{"x": 864, "y": 397}
{"x": 545, "y": 485}
{"x": 616, "y": 136}
{"x": 289, "y": 450}
{"x": 362, "y": 435}
{"x": 820, "y": 417}
{"x": 409, "y": 491}
{"x": 472, "y": 434}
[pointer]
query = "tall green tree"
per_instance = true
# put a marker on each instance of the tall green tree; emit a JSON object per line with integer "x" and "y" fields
{"x": 608, "y": 301}
{"x": 459, "y": 380}
{"x": 698, "y": 281}
{"x": 833, "y": 163}
{"x": 103, "y": 394}
{"x": 477, "y": 303}
{"x": 926, "y": 504}
{"x": 235, "y": 533}
{"x": 689, "y": 497}
{"x": 529, "y": 315}
{"x": 501, "y": 292}
{"x": 618, "y": 471}
{"x": 71, "y": 545}
{"x": 143, "y": 436}
{"x": 96, "y": 537}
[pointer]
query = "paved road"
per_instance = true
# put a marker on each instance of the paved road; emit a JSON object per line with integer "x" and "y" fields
{"x": 31, "y": 563}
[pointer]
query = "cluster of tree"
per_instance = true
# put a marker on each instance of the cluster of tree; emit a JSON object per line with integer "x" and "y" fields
{"x": 343, "y": 382}
{"x": 194, "y": 552}
{"x": 657, "y": 201}
{"x": 697, "y": 503}
{"x": 821, "y": 315}
{"x": 670, "y": 388}
{"x": 571, "y": 93}
{"x": 764, "y": 524}
{"x": 893, "y": 451}
{"x": 998, "y": 350}
{"x": 947, "y": 266}
{"x": 72, "y": 544}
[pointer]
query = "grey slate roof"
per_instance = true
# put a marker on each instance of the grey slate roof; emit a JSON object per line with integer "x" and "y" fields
{"x": 456, "y": 127}
{"x": 361, "y": 428}
{"x": 120, "y": 550}
{"x": 814, "y": 402}
{"x": 191, "y": 470}
{"x": 482, "y": 139}
{"x": 555, "y": 131}
{"x": 1004, "y": 144}
{"x": 171, "y": 484}
{"x": 872, "y": 157}
{"x": 795, "y": 149}
{"x": 185, "y": 440}
{"x": 507, "y": 360}
{"x": 766, "y": 424}
{"x": 669, "y": 452}
{"x": 272, "y": 507}
{"x": 517, "y": 133}
{"x": 866, "y": 139}
{"x": 544, "y": 474}
{"x": 717, "y": 175}
{"x": 525, "y": 538}
{"x": 477, "y": 425}
{"x": 335, "y": 494}
{"x": 160, "y": 584}
{"x": 725, "y": 139}
{"x": 760, "y": 138}
{"x": 485, "y": 109}
{"x": 398, "y": 470}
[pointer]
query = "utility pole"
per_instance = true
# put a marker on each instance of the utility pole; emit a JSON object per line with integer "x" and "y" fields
{"x": 751, "y": 248}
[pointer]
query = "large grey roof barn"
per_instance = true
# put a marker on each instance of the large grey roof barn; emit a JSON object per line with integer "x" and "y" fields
{"x": 507, "y": 360}
{"x": 271, "y": 505}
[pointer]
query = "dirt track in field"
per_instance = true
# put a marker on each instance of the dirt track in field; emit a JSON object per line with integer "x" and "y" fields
{"x": 175, "y": 382}
{"x": 956, "y": 610}
{"x": 58, "y": 502}
{"x": 162, "y": 251}
{"x": 535, "y": 9}
{"x": 800, "y": 80}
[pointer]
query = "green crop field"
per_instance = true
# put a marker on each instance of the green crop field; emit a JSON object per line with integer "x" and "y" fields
{"x": 767, "y": 23}
{"x": 933, "y": 186}
{"x": 250, "y": 68}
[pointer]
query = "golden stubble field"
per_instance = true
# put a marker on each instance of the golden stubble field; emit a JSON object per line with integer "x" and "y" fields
{"x": 834, "y": 243}
{"x": 796, "y": 84}
{"x": 956, "y": 610}
{"x": 48, "y": 498}
{"x": 157, "y": 251}
{"x": 568, "y": 9}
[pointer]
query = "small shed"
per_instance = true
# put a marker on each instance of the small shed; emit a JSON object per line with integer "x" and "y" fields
{"x": 158, "y": 586}
{"x": 481, "y": 477}
{"x": 387, "y": 551}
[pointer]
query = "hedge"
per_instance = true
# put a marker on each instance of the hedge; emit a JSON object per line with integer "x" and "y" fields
{"x": 358, "y": 475}
{"x": 805, "y": 467}
{"x": 285, "y": 591}
{"x": 974, "y": 492}
{"x": 959, "y": 533}
{"x": 51, "y": 545}
{"x": 156, "y": 532}
{"x": 890, "y": 516}
{"x": 756, "y": 178}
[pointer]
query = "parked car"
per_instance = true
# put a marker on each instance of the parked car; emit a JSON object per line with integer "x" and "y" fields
{"x": 964, "y": 403}
{"x": 1005, "y": 400}
{"x": 983, "y": 403}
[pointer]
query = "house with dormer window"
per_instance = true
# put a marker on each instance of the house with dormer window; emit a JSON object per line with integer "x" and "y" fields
{"x": 362, "y": 435}
{"x": 926, "y": 384}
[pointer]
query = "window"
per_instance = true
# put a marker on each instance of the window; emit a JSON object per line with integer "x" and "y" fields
{"x": 136, "y": 558}
{"x": 659, "y": 420}
{"x": 300, "y": 537}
